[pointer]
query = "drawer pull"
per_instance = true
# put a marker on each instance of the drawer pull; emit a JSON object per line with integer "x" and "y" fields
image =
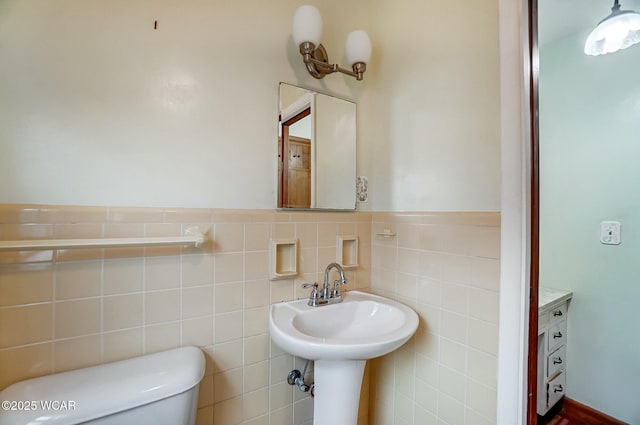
{"x": 558, "y": 388}
{"x": 557, "y": 335}
{"x": 557, "y": 313}
{"x": 557, "y": 360}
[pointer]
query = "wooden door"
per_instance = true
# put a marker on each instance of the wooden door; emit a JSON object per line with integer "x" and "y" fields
{"x": 299, "y": 173}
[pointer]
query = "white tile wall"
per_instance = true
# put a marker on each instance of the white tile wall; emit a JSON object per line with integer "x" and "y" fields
{"x": 446, "y": 266}
{"x": 137, "y": 301}
{"x": 70, "y": 309}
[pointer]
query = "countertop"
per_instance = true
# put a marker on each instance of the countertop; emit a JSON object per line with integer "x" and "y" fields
{"x": 550, "y": 297}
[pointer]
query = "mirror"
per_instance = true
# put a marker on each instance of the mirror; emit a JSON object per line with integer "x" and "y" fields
{"x": 316, "y": 150}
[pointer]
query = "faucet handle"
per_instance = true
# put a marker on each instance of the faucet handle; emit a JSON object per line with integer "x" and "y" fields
{"x": 335, "y": 293}
{"x": 314, "y": 292}
{"x": 314, "y": 296}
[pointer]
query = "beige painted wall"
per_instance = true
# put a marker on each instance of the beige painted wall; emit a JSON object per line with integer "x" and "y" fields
{"x": 433, "y": 142}
{"x": 98, "y": 108}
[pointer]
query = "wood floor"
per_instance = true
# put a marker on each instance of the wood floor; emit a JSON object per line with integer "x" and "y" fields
{"x": 570, "y": 412}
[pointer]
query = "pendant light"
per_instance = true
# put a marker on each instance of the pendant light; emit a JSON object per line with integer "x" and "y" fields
{"x": 617, "y": 31}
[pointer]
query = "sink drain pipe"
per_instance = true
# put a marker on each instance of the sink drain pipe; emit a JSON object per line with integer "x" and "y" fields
{"x": 295, "y": 377}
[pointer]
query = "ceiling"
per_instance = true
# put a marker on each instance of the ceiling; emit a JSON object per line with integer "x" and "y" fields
{"x": 560, "y": 18}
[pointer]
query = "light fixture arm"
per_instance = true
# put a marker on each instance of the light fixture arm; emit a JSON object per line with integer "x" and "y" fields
{"x": 615, "y": 10}
{"x": 317, "y": 62}
{"x": 307, "y": 34}
{"x": 616, "y": 7}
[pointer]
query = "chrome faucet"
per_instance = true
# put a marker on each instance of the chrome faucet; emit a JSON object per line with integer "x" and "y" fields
{"x": 335, "y": 293}
{"x": 327, "y": 295}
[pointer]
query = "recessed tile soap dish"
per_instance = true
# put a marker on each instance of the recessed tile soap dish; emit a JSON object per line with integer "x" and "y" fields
{"x": 284, "y": 258}
{"x": 347, "y": 251}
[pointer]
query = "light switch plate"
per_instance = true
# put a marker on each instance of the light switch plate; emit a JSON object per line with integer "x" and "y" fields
{"x": 610, "y": 232}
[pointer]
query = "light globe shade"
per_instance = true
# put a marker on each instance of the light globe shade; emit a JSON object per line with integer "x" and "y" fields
{"x": 616, "y": 32}
{"x": 358, "y": 47}
{"x": 307, "y": 25}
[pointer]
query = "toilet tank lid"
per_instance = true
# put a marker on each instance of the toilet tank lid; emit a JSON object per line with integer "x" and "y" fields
{"x": 102, "y": 390}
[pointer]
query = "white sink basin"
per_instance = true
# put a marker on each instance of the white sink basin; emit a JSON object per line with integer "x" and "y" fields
{"x": 361, "y": 327}
{"x": 340, "y": 338}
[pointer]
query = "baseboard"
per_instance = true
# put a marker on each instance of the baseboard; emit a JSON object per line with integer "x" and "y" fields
{"x": 587, "y": 415}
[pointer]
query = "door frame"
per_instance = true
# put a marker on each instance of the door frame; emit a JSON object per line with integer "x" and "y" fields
{"x": 516, "y": 76}
{"x": 534, "y": 236}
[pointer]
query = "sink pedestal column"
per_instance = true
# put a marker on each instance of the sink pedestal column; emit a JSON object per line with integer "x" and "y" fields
{"x": 337, "y": 391}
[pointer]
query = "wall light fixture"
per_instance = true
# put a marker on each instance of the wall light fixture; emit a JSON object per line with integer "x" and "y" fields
{"x": 617, "y": 31}
{"x": 307, "y": 32}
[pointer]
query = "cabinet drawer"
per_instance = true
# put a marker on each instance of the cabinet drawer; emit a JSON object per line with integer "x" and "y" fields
{"x": 555, "y": 389}
{"x": 558, "y": 313}
{"x": 556, "y": 361}
{"x": 557, "y": 335}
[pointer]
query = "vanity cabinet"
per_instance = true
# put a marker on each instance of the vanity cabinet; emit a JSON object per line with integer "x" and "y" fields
{"x": 552, "y": 347}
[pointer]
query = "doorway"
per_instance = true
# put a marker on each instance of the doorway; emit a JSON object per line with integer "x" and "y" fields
{"x": 580, "y": 113}
{"x": 295, "y": 163}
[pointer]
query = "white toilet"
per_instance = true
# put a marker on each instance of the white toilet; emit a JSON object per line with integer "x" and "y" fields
{"x": 157, "y": 389}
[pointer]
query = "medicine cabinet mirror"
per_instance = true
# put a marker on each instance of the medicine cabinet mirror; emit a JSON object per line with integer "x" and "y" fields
{"x": 316, "y": 150}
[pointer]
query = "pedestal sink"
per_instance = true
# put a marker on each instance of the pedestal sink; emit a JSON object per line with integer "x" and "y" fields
{"x": 340, "y": 338}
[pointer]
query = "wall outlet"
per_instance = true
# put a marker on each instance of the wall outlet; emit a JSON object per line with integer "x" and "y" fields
{"x": 362, "y": 189}
{"x": 610, "y": 232}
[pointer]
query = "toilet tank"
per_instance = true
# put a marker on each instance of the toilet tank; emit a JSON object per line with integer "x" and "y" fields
{"x": 160, "y": 388}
